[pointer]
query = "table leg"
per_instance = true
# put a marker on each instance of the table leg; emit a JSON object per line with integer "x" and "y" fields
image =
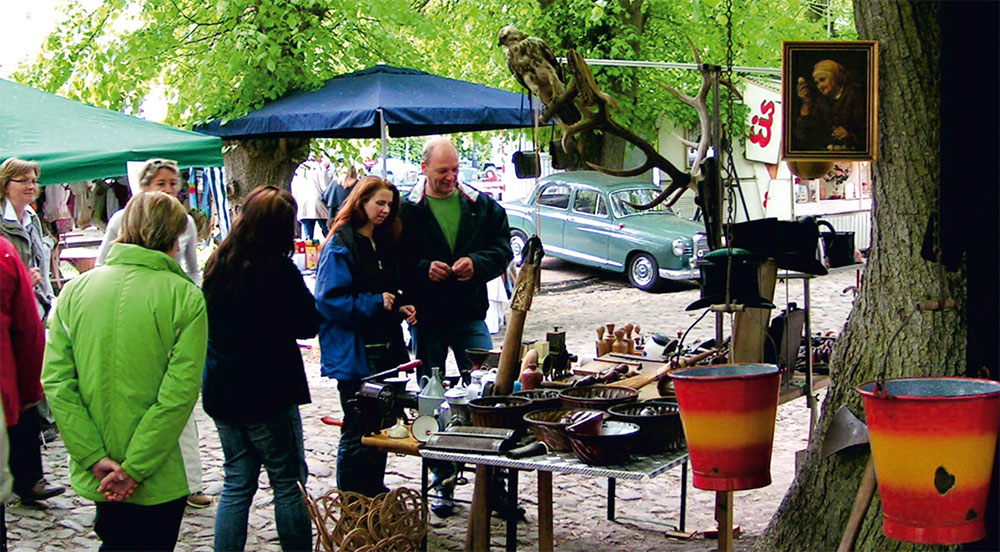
{"x": 724, "y": 517}
{"x": 512, "y": 519}
{"x": 545, "y": 511}
{"x": 423, "y": 494}
{"x": 611, "y": 498}
{"x": 477, "y": 536}
{"x": 684, "y": 494}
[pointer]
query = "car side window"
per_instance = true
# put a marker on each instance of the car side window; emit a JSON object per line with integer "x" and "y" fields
{"x": 555, "y": 195}
{"x": 587, "y": 201}
{"x": 602, "y": 206}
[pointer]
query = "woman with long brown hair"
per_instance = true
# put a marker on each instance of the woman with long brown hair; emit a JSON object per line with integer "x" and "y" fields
{"x": 258, "y": 305}
{"x": 357, "y": 293}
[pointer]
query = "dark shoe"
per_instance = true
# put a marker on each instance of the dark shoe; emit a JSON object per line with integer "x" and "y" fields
{"x": 443, "y": 507}
{"x": 41, "y": 491}
{"x": 50, "y": 435}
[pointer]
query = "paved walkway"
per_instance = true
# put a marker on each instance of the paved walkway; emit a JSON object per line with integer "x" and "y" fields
{"x": 580, "y": 523}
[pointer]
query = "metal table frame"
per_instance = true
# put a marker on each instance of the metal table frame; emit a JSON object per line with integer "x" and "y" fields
{"x": 565, "y": 462}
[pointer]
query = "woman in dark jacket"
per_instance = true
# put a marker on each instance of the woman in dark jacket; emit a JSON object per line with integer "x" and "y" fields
{"x": 357, "y": 293}
{"x": 254, "y": 377}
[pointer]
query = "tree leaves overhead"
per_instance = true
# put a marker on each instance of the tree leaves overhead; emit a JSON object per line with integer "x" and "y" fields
{"x": 224, "y": 58}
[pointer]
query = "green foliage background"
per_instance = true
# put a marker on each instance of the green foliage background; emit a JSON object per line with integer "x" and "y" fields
{"x": 224, "y": 58}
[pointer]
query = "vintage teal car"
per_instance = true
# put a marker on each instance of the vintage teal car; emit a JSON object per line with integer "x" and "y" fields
{"x": 582, "y": 217}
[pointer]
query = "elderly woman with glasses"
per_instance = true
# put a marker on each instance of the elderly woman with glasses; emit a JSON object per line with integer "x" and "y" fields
{"x": 20, "y": 224}
{"x": 160, "y": 175}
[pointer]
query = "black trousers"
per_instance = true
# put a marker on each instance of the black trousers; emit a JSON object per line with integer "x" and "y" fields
{"x": 126, "y": 526}
{"x": 25, "y": 451}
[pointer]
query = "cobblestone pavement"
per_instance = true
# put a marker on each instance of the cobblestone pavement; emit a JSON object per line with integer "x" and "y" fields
{"x": 580, "y": 523}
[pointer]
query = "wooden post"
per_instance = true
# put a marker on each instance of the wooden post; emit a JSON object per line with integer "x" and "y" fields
{"x": 477, "y": 535}
{"x": 545, "y": 511}
{"x": 750, "y": 329}
{"x": 724, "y": 517}
{"x": 528, "y": 280}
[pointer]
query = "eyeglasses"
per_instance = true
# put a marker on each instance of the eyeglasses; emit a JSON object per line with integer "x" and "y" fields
{"x": 157, "y": 163}
{"x": 32, "y": 182}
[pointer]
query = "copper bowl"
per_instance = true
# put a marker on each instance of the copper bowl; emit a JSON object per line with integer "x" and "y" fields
{"x": 503, "y": 411}
{"x": 659, "y": 424}
{"x": 613, "y": 445}
{"x": 550, "y": 425}
{"x": 597, "y": 397}
{"x": 541, "y": 399}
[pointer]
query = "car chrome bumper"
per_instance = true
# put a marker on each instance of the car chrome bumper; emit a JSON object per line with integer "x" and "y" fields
{"x": 680, "y": 274}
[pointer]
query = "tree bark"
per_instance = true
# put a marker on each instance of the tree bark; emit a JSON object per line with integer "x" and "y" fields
{"x": 253, "y": 163}
{"x": 815, "y": 509}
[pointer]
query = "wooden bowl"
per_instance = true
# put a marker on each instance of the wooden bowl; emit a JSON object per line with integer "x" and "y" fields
{"x": 613, "y": 445}
{"x": 541, "y": 399}
{"x": 502, "y": 411}
{"x": 550, "y": 425}
{"x": 659, "y": 424}
{"x": 597, "y": 397}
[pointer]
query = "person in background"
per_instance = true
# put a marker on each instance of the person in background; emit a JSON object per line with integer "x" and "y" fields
{"x": 308, "y": 185}
{"x": 338, "y": 193}
{"x": 122, "y": 370}
{"x": 163, "y": 175}
{"x": 19, "y": 188}
{"x": 159, "y": 175}
{"x": 258, "y": 305}
{"x": 22, "y": 342}
{"x": 456, "y": 240}
{"x": 357, "y": 293}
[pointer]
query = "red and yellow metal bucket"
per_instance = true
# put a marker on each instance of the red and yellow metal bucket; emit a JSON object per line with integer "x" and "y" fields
{"x": 933, "y": 441}
{"x": 728, "y": 413}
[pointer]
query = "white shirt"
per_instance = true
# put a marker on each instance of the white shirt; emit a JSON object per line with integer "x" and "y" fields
{"x": 187, "y": 258}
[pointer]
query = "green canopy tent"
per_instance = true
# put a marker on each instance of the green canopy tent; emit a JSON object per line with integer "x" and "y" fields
{"x": 74, "y": 141}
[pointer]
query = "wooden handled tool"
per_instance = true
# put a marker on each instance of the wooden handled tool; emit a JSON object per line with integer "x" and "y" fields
{"x": 642, "y": 380}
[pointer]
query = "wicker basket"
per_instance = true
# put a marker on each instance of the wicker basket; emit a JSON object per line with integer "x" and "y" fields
{"x": 597, "y": 397}
{"x": 541, "y": 399}
{"x": 502, "y": 411}
{"x": 549, "y": 426}
{"x": 347, "y": 521}
{"x": 613, "y": 445}
{"x": 659, "y": 424}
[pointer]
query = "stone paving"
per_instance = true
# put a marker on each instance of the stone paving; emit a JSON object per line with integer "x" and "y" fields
{"x": 580, "y": 523}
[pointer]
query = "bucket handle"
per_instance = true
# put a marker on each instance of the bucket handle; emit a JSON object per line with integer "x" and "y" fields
{"x": 880, "y": 389}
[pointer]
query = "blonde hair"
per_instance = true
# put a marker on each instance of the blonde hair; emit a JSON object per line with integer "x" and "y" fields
{"x": 14, "y": 167}
{"x": 152, "y": 167}
{"x": 153, "y": 220}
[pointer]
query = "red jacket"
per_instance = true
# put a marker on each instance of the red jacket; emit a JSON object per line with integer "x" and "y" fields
{"x": 22, "y": 337}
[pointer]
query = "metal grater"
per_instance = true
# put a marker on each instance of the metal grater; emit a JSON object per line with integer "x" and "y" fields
{"x": 489, "y": 440}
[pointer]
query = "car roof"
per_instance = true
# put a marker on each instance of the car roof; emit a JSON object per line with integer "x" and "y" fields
{"x": 596, "y": 179}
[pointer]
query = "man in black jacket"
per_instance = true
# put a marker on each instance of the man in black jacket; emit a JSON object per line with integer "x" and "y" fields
{"x": 456, "y": 240}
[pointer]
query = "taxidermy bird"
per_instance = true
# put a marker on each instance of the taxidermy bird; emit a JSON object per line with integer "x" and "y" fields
{"x": 533, "y": 64}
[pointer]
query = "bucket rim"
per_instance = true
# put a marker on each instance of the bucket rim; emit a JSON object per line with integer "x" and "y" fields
{"x": 687, "y": 373}
{"x": 872, "y": 394}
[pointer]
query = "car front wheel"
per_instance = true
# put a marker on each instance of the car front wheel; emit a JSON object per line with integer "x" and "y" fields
{"x": 643, "y": 272}
{"x": 518, "y": 241}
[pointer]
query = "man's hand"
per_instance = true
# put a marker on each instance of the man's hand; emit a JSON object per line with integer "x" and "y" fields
{"x": 36, "y": 276}
{"x": 464, "y": 269}
{"x": 410, "y": 312}
{"x": 116, "y": 485}
{"x": 387, "y": 300}
{"x": 439, "y": 271}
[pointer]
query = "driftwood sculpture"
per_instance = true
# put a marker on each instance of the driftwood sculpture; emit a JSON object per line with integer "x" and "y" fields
{"x": 533, "y": 65}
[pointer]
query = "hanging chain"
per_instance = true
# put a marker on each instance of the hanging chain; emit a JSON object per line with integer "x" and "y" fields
{"x": 726, "y": 141}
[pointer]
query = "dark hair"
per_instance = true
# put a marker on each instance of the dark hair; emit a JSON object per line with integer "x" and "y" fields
{"x": 263, "y": 233}
{"x": 353, "y": 212}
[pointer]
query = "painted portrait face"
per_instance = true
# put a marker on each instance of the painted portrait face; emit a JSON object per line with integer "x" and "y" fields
{"x": 825, "y": 82}
{"x": 441, "y": 171}
{"x": 165, "y": 180}
{"x": 378, "y": 206}
{"x": 23, "y": 189}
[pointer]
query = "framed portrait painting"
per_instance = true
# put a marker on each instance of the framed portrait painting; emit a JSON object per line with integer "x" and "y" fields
{"x": 829, "y": 101}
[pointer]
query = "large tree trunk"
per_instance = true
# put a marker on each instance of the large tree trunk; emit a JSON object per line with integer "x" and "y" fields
{"x": 815, "y": 510}
{"x": 253, "y": 163}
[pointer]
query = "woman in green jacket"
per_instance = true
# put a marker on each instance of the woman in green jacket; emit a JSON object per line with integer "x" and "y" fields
{"x": 122, "y": 371}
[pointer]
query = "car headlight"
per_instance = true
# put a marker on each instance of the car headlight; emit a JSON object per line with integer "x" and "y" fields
{"x": 678, "y": 247}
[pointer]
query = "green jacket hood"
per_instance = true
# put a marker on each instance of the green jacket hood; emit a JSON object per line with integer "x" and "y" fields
{"x": 131, "y": 254}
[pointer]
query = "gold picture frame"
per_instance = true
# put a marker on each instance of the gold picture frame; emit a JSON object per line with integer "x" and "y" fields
{"x": 829, "y": 101}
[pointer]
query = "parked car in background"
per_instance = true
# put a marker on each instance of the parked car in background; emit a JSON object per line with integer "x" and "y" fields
{"x": 583, "y": 217}
{"x": 486, "y": 181}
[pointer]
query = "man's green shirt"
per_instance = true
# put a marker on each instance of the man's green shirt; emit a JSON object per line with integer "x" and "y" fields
{"x": 448, "y": 212}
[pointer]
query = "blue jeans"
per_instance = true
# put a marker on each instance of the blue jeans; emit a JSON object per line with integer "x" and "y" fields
{"x": 360, "y": 469}
{"x": 277, "y": 445}
{"x": 309, "y": 224}
{"x": 432, "y": 341}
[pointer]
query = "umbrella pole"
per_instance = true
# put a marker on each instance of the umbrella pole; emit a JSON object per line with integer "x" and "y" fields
{"x": 382, "y": 134}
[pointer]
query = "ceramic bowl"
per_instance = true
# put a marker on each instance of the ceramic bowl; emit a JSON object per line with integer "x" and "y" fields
{"x": 502, "y": 411}
{"x": 612, "y": 445}
{"x": 549, "y": 426}
{"x": 659, "y": 424}
{"x": 598, "y": 397}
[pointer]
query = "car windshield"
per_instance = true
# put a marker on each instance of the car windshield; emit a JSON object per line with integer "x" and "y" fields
{"x": 638, "y": 196}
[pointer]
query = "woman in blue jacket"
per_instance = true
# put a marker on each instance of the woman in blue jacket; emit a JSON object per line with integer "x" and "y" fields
{"x": 357, "y": 294}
